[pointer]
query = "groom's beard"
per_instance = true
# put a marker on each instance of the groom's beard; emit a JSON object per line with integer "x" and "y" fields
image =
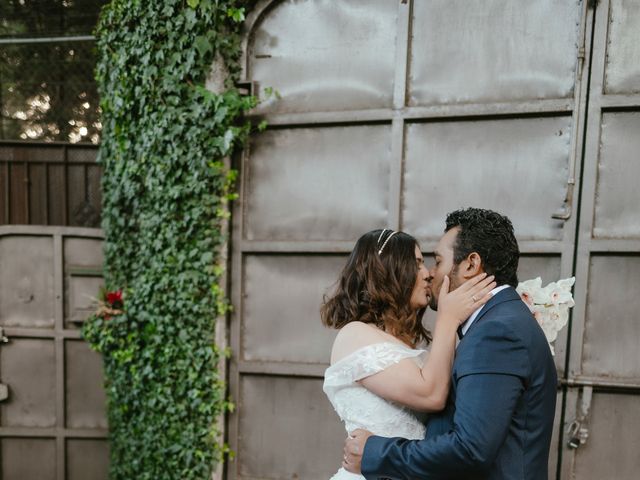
{"x": 433, "y": 302}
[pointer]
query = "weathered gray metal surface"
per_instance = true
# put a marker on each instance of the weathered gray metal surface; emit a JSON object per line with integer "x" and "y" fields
{"x": 84, "y": 393}
{"x": 612, "y": 448}
{"x": 28, "y": 458}
{"x": 604, "y": 334}
{"x": 301, "y": 185}
{"x": 87, "y": 459}
{"x": 452, "y": 165}
{"x": 273, "y": 448}
{"x": 489, "y": 108}
{"x": 28, "y": 368}
{"x": 622, "y": 74}
{"x": 325, "y": 55}
{"x": 275, "y": 287}
{"x": 616, "y": 211}
{"x": 27, "y": 282}
{"x": 494, "y": 50}
{"x": 53, "y": 423}
{"x": 612, "y": 331}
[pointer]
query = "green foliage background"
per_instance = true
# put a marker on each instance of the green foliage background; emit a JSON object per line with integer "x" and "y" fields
{"x": 165, "y": 189}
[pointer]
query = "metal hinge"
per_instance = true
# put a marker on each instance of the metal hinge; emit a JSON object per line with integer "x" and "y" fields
{"x": 3, "y": 339}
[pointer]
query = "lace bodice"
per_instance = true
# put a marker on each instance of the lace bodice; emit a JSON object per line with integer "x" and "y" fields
{"x": 360, "y": 408}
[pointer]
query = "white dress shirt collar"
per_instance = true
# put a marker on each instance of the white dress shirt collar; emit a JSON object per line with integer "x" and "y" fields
{"x": 473, "y": 316}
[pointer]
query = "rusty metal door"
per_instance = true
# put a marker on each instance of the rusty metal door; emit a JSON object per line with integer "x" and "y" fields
{"x": 52, "y": 403}
{"x": 604, "y": 367}
{"x": 388, "y": 113}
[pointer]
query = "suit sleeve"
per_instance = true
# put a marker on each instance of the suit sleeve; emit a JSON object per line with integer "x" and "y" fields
{"x": 490, "y": 378}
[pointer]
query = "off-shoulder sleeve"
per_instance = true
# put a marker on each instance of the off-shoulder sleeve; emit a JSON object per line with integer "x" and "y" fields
{"x": 367, "y": 361}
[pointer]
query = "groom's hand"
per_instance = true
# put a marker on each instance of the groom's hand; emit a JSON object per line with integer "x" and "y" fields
{"x": 353, "y": 448}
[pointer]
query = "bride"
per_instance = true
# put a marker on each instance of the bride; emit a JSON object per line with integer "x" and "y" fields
{"x": 379, "y": 378}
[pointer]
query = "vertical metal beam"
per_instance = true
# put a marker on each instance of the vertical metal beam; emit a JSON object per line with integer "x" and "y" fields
{"x": 569, "y": 242}
{"x": 589, "y": 184}
{"x": 598, "y": 21}
{"x": 403, "y": 38}
{"x": 58, "y": 288}
{"x": 235, "y": 318}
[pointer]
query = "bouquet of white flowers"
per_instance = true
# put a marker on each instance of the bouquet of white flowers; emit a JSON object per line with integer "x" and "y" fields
{"x": 550, "y": 305}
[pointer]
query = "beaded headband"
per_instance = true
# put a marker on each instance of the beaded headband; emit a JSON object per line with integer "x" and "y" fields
{"x": 386, "y": 241}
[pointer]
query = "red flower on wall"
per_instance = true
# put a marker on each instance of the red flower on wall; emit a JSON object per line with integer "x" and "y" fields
{"x": 114, "y": 299}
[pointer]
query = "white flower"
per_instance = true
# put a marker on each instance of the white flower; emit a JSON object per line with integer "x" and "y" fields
{"x": 549, "y": 305}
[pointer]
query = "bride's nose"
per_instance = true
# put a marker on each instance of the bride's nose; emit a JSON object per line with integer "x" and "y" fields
{"x": 425, "y": 273}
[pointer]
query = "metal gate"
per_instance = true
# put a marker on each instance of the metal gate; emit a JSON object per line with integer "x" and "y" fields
{"x": 604, "y": 366}
{"x": 52, "y": 402}
{"x": 391, "y": 113}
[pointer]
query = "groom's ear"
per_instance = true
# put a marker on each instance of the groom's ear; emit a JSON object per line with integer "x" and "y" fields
{"x": 473, "y": 265}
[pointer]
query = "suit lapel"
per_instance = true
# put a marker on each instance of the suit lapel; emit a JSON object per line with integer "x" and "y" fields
{"x": 506, "y": 295}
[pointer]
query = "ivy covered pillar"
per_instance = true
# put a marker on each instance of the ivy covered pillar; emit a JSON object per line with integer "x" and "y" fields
{"x": 165, "y": 191}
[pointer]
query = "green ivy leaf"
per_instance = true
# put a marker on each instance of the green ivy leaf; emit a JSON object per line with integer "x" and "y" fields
{"x": 203, "y": 45}
{"x": 237, "y": 14}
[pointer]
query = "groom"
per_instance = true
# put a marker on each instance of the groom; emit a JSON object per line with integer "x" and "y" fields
{"x": 499, "y": 415}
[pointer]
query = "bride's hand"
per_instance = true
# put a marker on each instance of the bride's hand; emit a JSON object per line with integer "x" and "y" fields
{"x": 458, "y": 305}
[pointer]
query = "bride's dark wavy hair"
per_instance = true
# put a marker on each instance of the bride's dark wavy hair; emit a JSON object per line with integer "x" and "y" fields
{"x": 376, "y": 288}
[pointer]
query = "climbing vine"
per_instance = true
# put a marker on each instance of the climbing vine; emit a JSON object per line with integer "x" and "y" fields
{"x": 165, "y": 192}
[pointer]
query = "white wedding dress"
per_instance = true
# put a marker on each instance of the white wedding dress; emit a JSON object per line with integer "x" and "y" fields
{"x": 360, "y": 408}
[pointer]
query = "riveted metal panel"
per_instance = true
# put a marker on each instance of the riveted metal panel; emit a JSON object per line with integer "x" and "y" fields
{"x": 325, "y": 55}
{"x": 495, "y": 50}
{"x": 612, "y": 332}
{"x": 622, "y": 69}
{"x": 28, "y": 367}
{"x": 83, "y": 252}
{"x": 28, "y": 459}
{"x": 85, "y": 396}
{"x": 54, "y": 381}
{"x": 617, "y": 197}
{"x": 317, "y": 184}
{"x": 87, "y": 459}
{"x": 266, "y": 402}
{"x": 451, "y": 165}
{"x": 495, "y": 120}
{"x": 26, "y": 287}
{"x": 546, "y": 267}
{"x": 611, "y": 450}
{"x": 282, "y": 296}
{"x": 83, "y": 259}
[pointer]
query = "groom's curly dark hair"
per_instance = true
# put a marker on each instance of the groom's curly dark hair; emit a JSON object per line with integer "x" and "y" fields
{"x": 491, "y": 236}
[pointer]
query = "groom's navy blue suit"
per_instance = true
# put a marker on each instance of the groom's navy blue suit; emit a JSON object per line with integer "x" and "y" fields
{"x": 499, "y": 415}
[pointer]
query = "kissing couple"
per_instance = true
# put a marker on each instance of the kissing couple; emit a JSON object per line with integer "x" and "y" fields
{"x": 489, "y": 402}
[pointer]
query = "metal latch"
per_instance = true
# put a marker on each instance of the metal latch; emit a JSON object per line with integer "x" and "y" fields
{"x": 3, "y": 339}
{"x": 578, "y": 430}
